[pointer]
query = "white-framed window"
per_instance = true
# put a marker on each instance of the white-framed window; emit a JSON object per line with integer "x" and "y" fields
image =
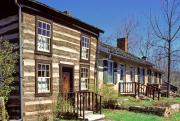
{"x": 44, "y": 78}
{"x": 85, "y": 47}
{"x": 84, "y": 77}
{"x": 109, "y": 72}
{"x": 44, "y": 36}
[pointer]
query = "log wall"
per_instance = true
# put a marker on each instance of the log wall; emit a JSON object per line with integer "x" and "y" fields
{"x": 65, "y": 50}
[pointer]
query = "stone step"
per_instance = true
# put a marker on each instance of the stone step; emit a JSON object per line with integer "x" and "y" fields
{"x": 93, "y": 117}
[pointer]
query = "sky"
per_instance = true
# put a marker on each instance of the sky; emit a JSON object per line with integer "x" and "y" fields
{"x": 107, "y": 15}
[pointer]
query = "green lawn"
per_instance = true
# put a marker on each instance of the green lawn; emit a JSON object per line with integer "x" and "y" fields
{"x": 130, "y": 101}
{"x": 116, "y": 115}
{"x": 119, "y": 115}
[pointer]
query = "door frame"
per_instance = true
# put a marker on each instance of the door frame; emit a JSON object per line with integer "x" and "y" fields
{"x": 61, "y": 66}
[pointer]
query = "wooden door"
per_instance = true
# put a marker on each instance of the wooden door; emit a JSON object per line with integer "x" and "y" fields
{"x": 66, "y": 81}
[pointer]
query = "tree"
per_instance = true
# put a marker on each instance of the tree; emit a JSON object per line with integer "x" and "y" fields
{"x": 127, "y": 29}
{"x": 167, "y": 29}
{"x": 8, "y": 61}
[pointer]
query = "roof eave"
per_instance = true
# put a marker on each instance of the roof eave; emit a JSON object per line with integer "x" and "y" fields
{"x": 62, "y": 14}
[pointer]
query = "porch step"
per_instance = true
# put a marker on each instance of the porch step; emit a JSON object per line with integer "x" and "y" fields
{"x": 87, "y": 113}
{"x": 93, "y": 117}
{"x": 89, "y": 116}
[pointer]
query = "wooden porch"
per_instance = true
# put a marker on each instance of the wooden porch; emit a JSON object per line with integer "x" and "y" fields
{"x": 82, "y": 105}
{"x": 138, "y": 89}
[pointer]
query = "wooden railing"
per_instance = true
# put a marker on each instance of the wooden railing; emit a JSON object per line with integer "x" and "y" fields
{"x": 153, "y": 91}
{"x": 79, "y": 102}
{"x": 137, "y": 89}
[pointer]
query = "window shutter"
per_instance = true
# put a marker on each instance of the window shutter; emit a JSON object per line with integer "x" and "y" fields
{"x": 115, "y": 73}
{"x": 105, "y": 71}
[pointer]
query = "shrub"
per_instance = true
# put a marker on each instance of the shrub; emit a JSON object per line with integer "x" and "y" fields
{"x": 62, "y": 109}
{"x": 109, "y": 94}
{"x": 8, "y": 60}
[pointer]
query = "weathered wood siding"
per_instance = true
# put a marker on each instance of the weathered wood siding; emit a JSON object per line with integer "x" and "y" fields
{"x": 65, "y": 50}
{"x": 9, "y": 31}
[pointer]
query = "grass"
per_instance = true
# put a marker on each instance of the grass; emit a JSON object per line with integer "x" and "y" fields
{"x": 116, "y": 115}
{"x": 130, "y": 101}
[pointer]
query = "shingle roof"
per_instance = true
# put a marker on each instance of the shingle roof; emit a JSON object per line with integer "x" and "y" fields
{"x": 108, "y": 49}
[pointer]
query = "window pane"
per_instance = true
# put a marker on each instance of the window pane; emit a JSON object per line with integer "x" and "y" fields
{"x": 44, "y": 32}
{"x": 44, "y": 25}
{"x": 39, "y": 24}
{"x": 47, "y": 74}
{"x": 39, "y": 67}
{"x": 48, "y": 33}
{"x": 43, "y": 67}
{"x": 39, "y": 31}
{"x": 48, "y": 27}
{"x": 39, "y": 74}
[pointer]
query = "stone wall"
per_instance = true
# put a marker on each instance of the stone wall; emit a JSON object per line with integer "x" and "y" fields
{"x": 160, "y": 111}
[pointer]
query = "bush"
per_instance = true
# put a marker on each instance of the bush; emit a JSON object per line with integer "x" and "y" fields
{"x": 111, "y": 104}
{"x": 8, "y": 60}
{"x": 62, "y": 109}
{"x": 109, "y": 94}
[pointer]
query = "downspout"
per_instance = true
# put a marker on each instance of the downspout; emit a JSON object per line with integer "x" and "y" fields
{"x": 97, "y": 60}
{"x": 20, "y": 59}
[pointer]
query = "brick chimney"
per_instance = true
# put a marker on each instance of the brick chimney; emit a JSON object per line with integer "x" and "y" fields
{"x": 122, "y": 43}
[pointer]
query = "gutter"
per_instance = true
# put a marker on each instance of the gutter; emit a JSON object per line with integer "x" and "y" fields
{"x": 20, "y": 59}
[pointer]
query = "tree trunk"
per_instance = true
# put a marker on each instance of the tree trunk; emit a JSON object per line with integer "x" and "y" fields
{"x": 169, "y": 69}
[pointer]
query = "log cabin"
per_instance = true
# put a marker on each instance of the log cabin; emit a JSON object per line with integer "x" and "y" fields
{"x": 57, "y": 54}
{"x": 128, "y": 74}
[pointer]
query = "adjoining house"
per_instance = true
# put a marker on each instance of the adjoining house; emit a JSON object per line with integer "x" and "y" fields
{"x": 127, "y": 73}
{"x": 57, "y": 54}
